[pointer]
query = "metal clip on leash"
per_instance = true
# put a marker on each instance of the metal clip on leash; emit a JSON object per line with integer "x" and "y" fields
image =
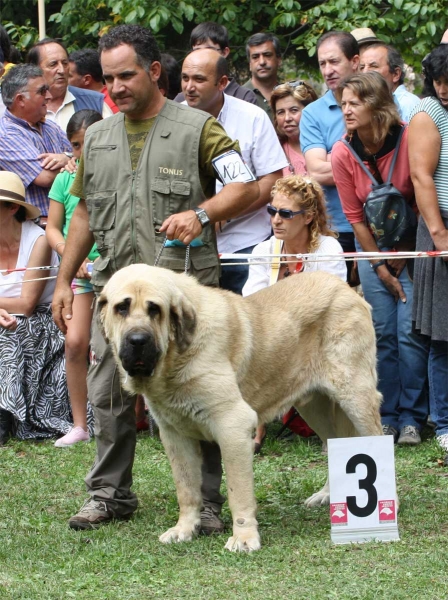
{"x": 187, "y": 255}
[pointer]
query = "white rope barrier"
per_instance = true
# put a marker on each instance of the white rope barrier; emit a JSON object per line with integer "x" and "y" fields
{"x": 312, "y": 257}
{"x": 20, "y": 269}
{"x": 29, "y": 280}
{"x": 241, "y": 259}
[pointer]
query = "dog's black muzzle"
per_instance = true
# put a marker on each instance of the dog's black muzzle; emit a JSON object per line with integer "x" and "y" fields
{"x": 139, "y": 354}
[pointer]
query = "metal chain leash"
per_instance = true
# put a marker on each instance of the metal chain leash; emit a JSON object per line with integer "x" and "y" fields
{"x": 187, "y": 256}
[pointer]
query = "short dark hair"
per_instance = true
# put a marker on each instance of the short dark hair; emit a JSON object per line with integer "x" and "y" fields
{"x": 210, "y": 31}
{"x": 173, "y": 71}
{"x": 140, "y": 38}
{"x": 435, "y": 65}
{"x": 87, "y": 62}
{"x": 346, "y": 42}
{"x": 33, "y": 57}
{"x": 81, "y": 120}
{"x": 222, "y": 67}
{"x": 261, "y": 38}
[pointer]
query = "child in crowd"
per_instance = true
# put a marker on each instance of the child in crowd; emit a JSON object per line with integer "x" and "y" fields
{"x": 62, "y": 206}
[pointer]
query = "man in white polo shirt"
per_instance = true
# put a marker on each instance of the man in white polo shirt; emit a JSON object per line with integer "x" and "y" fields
{"x": 51, "y": 56}
{"x": 204, "y": 78}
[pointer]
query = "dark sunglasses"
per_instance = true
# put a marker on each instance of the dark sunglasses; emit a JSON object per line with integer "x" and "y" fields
{"x": 291, "y": 84}
{"x": 39, "y": 92}
{"x": 284, "y": 213}
{"x": 43, "y": 90}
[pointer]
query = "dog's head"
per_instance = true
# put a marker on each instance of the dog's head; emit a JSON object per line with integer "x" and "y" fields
{"x": 144, "y": 314}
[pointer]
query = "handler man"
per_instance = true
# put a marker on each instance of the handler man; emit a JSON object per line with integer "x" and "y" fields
{"x": 145, "y": 170}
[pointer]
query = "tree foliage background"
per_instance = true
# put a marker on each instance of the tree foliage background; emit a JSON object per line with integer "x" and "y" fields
{"x": 413, "y": 26}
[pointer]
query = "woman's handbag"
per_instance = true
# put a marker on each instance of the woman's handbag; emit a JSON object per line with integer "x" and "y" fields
{"x": 387, "y": 213}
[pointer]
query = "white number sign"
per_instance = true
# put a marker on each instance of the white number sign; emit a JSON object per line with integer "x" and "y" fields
{"x": 363, "y": 504}
{"x": 231, "y": 168}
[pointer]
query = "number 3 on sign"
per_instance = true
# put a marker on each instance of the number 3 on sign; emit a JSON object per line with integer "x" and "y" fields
{"x": 363, "y": 503}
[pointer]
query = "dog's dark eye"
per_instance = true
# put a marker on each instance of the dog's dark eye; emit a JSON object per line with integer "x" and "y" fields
{"x": 153, "y": 309}
{"x": 123, "y": 307}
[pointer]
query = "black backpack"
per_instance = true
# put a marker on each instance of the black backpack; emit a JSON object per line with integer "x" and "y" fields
{"x": 386, "y": 211}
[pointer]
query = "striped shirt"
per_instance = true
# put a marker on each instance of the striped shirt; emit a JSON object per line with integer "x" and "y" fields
{"x": 21, "y": 144}
{"x": 432, "y": 107}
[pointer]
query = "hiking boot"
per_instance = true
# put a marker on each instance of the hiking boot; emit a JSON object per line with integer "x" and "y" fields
{"x": 409, "y": 436}
{"x": 92, "y": 515}
{"x": 210, "y": 521}
{"x": 389, "y": 430}
{"x": 443, "y": 441}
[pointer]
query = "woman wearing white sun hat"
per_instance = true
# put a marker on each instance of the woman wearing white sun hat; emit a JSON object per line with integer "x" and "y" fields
{"x": 33, "y": 392}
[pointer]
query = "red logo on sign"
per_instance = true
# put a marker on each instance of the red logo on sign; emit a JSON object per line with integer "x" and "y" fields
{"x": 338, "y": 513}
{"x": 386, "y": 511}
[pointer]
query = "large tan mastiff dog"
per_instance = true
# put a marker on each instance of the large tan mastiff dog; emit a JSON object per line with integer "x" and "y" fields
{"x": 211, "y": 364}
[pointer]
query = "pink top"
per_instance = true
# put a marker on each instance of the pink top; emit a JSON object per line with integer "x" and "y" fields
{"x": 295, "y": 159}
{"x": 354, "y": 185}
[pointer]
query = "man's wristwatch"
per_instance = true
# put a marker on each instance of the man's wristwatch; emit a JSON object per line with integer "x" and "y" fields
{"x": 69, "y": 154}
{"x": 202, "y": 216}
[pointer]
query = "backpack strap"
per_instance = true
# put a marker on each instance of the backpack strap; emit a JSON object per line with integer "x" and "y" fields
{"x": 362, "y": 165}
{"x": 394, "y": 159}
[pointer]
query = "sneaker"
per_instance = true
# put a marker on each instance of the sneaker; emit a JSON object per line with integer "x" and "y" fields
{"x": 409, "y": 436}
{"x": 389, "y": 430}
{"x": 210, "y": 521}
{"x": 75, "y": 435}
{"x": 443, "y": 441}
{"x": 93, "y": 514}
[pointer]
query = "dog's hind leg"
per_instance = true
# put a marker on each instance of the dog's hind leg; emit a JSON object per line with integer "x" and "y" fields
{"x": 319, "y": 413}
{"x": 185, "y": 457}
{"x": 361, "y": 405}
{"x": 348, "y": 413}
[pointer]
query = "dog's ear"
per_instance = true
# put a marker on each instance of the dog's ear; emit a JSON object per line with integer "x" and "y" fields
{"x": 101, "y": 314}
{"x": 183, "y": 322}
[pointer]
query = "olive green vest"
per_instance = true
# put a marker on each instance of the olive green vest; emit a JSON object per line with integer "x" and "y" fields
{"x": 127, "y": 207}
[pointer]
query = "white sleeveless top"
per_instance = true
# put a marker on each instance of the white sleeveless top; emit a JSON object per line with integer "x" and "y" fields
{"x": 30, "y": 233}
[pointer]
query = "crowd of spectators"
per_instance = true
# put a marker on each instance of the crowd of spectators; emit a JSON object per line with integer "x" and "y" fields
{"x": 93, "y": 149}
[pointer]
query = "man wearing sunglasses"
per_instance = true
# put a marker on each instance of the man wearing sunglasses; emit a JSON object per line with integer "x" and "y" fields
{"x": 30, "y": 146}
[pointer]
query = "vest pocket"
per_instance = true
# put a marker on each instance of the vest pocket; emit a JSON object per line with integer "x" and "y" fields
{"x": 102, "y": 208}
{"x": 169, "y": 198}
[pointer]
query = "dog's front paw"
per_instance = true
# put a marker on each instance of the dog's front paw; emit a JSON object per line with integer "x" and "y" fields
{"x": 178, "y": 534}
{"x": 244, "y": 542}
{"x": 321, "y": 498}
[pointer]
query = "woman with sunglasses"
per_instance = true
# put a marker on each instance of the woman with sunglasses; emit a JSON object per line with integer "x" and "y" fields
{"x": 299, "y": 222}
{"x": 287, "y": 102}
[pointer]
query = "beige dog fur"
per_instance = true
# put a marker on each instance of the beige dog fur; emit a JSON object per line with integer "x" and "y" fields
{"x": 226, "y": 362}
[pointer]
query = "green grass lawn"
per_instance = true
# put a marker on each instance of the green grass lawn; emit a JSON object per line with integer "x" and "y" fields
{"x": 41, "y": 558}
